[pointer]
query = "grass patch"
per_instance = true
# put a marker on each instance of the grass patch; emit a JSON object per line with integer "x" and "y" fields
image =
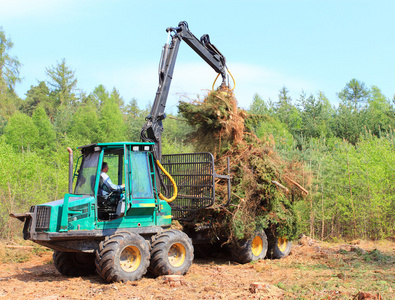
{"x": 340, "y": 274}
{"x": 377, "y": 257}
{"x": 20, "y": 251}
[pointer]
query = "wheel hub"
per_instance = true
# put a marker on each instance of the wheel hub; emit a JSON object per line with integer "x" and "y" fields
{"x": 282, "y": 243}
{"x": 177, "y": 254}
{"x": 257, "y": 246}
{"x": 130, "y": 258}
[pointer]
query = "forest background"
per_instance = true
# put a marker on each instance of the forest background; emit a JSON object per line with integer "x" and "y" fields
{"x": 349, "y": 148}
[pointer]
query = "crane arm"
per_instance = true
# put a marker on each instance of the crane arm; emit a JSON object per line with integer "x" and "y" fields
{"x": 207, "y": 51}
{"x": 152, "y": 130}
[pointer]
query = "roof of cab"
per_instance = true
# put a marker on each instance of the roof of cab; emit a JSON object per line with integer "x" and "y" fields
{"x": 115, "y": 144}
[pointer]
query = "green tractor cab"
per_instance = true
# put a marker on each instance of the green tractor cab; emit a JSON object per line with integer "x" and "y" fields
{"x": 88, "y": 213}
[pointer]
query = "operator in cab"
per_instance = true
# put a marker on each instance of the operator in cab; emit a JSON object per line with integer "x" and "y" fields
{"x": 105, "y": 185}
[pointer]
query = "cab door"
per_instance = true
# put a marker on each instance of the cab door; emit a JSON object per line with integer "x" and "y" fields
{"x": 142, "y": 204}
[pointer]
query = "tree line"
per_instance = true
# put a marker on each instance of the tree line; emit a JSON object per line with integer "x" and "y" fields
{"x": 349, "y": 148}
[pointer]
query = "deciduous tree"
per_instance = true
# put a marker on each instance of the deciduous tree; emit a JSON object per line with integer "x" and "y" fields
{"x": 9, "y": 65}
{"x": 21, "y": 132}
{"x": 9, "y": 76}
{"x": 46, "y": 133}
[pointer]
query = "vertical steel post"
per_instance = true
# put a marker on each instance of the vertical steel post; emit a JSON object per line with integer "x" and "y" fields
{"x": 70, "y": 170}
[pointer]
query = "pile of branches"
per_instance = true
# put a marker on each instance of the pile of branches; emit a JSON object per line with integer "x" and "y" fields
{"x": 264, "y": 186}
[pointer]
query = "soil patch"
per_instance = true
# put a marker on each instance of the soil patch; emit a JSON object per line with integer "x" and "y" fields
{"x": 314, "y": 270}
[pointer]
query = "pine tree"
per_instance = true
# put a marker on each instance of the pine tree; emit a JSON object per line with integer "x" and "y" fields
{"x": 63, "y": 83}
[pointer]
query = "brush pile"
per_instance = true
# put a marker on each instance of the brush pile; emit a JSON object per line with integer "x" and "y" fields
{"x": 264, "y": 185}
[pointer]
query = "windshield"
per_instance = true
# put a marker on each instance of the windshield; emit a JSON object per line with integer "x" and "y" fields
{"x": 87, "y": 174}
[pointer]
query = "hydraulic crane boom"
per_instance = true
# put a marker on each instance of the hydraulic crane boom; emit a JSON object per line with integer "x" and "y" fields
{"x": 152, "y": 130}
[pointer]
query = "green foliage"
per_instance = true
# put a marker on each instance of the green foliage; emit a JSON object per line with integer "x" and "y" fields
{"x": 260, "y": 106}
{"x": 134, "y": 119}
{"x": 9, "y": 65}
{"x": 352, "y": 193}
{"x": 380, "y": 113}
{"x": 116, "y": 97}
{"x": 3, "y": 123}
{"x": 112, "y": 126}
{"x": 31, "y": 179}
{"x": 348, "y": 123}
{"x": 46, "y": 133}
{"x": 85, "y": 124}
{"x": 349, "y": 149}
{"x": 9, "y": 76}
{"x": 274, "y": 129}
{"x": 62, "y": 120}
{"x": 354, "y": 94}
{"x": 175, "y": 146}
{"x": 286, "y": 112}
{"x": 99, "y": 95}
{"x": 316, "y": 116}
{"x": 21, "y": 132}
{"x": 39, "y": 96}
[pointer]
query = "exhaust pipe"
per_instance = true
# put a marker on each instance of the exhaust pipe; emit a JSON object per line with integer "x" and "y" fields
{"x": 70, "y": 170}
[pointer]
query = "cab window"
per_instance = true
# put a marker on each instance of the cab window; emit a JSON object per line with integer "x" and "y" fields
{"x": 87, "y": 174}
{"x": 141, "y": 175}
{"x": 114, "y": 159}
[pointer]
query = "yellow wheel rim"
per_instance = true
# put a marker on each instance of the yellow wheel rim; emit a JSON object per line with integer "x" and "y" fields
{"x": 177, "y": 254}
{"x": 257, "y": 246}
{"x": 130, "y": 259}
{"x": 282, "y": 243}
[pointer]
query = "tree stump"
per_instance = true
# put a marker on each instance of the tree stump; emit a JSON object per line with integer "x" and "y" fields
{"x": 174, "y": 280}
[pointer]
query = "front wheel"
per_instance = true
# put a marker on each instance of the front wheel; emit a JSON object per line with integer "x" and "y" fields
{"x": 123, "y": 256}
{"x": 279, "y": 247}
{"x": 171, "y": 253}
{"x": 253, "y": 249}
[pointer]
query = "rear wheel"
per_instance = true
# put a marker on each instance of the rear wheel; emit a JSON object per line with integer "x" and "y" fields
{"x": 255, "y": 248}
{"x": 171, "y": 253}
{"x": 123, "y": 256}
{"x": 74, "y": 263}
{"x": 279, "y": 247}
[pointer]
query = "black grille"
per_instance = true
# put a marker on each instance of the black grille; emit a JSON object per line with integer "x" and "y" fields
{"x": 194, "y": 176}
{"x": 43, "y": 217}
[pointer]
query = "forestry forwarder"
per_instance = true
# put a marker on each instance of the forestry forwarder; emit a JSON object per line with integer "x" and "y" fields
{"x": 122, "y": 234}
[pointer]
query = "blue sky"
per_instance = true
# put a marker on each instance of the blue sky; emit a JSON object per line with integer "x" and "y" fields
{"x": 302, "y": 45}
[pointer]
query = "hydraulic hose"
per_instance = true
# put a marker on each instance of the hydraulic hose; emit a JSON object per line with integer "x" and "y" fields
{"x": 215, "y": 81}
{"x": 172, "y": 182}
{"x": 234, "y": 82}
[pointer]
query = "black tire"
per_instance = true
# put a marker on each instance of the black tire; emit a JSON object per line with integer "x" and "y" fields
{"x": 279, "y": 247}
{"x": 253, "y": 249}
{"x": 74, "y": 263}
{"x": 171, "y": 253}
{"x": 123, "y": 256}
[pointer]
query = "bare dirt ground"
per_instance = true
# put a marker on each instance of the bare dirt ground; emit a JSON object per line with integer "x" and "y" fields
{"x": 314, "y": 270}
